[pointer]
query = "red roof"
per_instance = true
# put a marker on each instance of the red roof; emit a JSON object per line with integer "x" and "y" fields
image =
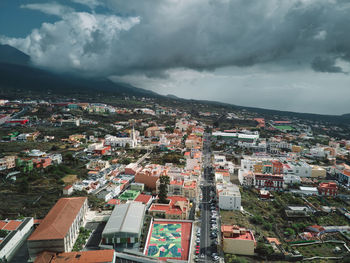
{"x": 114, "y": 202}
{"x": 170, "y": 208}
{"x": 176, "y": 182}
{"x": 93, "y": 256}
{"x": 60, "y": 218}
{"x": 10, "y": 225}
{"x": 143, "y": 198}
{"x": 68, "y": 187}
{"x": 346, "y": 172}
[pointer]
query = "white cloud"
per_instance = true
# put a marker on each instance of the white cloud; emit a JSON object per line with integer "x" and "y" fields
{"x": 205, "y": 34}
{"x": 321, "y": 35}
{"x": 49, "y": 8}
{"x": 180, "y": 46}
{"x": 90, "y": 3}
{"x": 77, "y": 42}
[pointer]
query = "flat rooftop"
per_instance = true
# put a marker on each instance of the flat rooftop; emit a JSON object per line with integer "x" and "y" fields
{"x": 169, "y": 239}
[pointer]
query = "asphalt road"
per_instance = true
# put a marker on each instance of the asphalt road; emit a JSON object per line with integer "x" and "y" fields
{"x": 205, "y": 241}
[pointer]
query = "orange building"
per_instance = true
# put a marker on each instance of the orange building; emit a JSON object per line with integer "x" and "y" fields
{"x": 149, "y": 175}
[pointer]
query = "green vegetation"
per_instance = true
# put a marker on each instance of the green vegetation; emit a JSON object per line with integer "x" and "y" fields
{"x": 3, "y": 233}
{"x": 164, "y": 181}
{"x": 321, "y": 250}
{"x": 84, "y": 234}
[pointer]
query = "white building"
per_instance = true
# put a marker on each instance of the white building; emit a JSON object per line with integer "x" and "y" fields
{"x": 301, "y": 169}
{"x": 36, "y": 153}
{"x": 18, "y": 231}
{"x": 60, "y": 228}
{"x": 56, "y": 158}
{"x": 114, "y": 141}
{"x": 291, "y": 179}
{"x": 229, "y": 196}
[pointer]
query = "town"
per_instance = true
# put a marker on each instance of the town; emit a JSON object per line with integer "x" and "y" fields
{"x": 143, "y": 181}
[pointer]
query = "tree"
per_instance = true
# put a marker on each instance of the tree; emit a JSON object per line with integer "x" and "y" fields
{"x": 54, "y": 148}
{"x": 263, "y": 250}
{"x": 24, "y": 186}
{"x": 290, "y": 232}
{"x": 164, "y": 181}
{"x": 257, "y": 220}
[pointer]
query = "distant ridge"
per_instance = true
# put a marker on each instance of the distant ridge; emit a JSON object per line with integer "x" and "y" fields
{"x": 12, "y": 55}
{"x": 171, "y": 96}
{"x": 18, "y": 76}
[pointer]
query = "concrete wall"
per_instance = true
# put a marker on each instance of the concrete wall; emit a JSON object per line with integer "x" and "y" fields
{"x": 238, "y": 246}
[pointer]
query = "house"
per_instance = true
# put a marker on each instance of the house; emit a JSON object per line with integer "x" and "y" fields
{"x": 291, "y": 179}
{"x": 246, "y": 178}
{"x": 137, "y": 187}
{"x": 318, "y": 172}
{"x": 7, "y": 162}
{"x": 152, "y": 132}
{"x": 177, "y": 208}
{"x": 190, "y": 189}
{"x": 237, "y": 240}
{"x": 132, "y": 169}
{"x": 103, "y": 150}
{"x": 129, "y": 195}
{"x": 222, "y": 175}
{"x": 42, "y": 162}
{"x": 149, "y": 175}
{"x": 68, "y": 190}
{"x": 60, "y": 228}
{"x": 328, "y": 189}
{"x": 145, "y": 199}
{"x": 264, "y": 194}
{"x": 269, "y": 181}
{"x": 297, "y": 211}
{"x": 93, "y": 256}
{"x": 229, "y": 196}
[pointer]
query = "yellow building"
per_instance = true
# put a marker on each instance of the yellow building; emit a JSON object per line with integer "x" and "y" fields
{"x": 258, "y": 167}
{"x": 32, "y": 136}
{"x": 318, "y": 172}
{"x": 296, "y": 149}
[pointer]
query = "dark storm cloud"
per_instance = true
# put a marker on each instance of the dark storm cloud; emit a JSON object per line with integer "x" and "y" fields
{"x": 149, "y": 37}
{"x": 325, "y": 64}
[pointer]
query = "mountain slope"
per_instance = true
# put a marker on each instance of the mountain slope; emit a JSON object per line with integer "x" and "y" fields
{"x": 27, "y": 78}
{"x": 12, "y": 55}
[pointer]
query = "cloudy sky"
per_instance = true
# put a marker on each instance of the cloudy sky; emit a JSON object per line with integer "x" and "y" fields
{"x": 288, "y": 55}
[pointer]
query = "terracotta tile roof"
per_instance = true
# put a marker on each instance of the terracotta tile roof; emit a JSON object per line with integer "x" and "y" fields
{"x": 176, "y": 182}
{"x": 273, "y": 240}
{"x": 58, "y": 221}
{"x": 94, "y": 256}
{"x": 114, "y": 202}
{"x": 12, "y": 225}
{"x": 346, "y": 172}
{"x": 2, "y": 224}
{"x": 143, "y": 198}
